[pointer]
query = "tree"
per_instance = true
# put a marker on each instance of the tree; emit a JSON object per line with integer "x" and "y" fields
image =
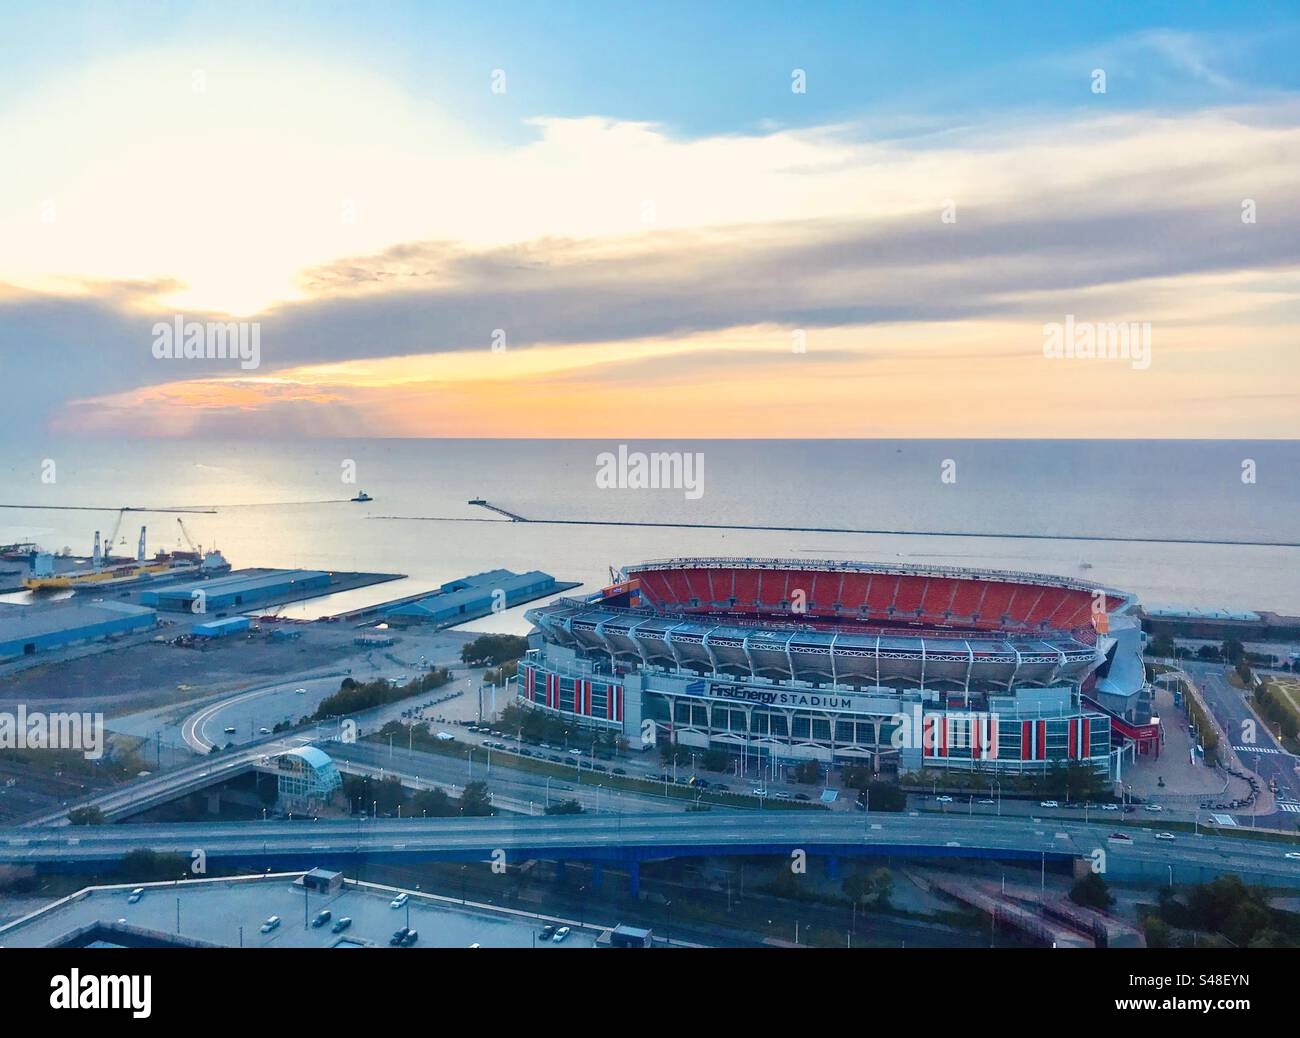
{"x": 869, "y": 888}
{"x": 885, "y": 796}
{"x": 808, "y": 773}
{"x": 565, "y": 807}
{"x": 1161, "y": 645}
{"x": 433, "y": 803}
{"x": 1157, "y": 931}
{"x": 493, "y": 649}
{"x": 1234, "y": 651}
{"x": 148, "y": 864}
{"x": 476, "y": 801}
{"x": 86, "y": 816}
{"x": 1092, "y": 892}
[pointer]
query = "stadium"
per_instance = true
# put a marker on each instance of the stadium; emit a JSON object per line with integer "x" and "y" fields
{"x": 896, "y": 667}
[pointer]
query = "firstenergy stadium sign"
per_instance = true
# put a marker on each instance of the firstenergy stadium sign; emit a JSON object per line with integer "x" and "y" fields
{"x": 791, "y": 699}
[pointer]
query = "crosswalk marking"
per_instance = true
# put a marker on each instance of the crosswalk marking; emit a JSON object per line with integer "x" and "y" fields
{"x": 1256, "y": 749}
{"x": 1293, "y": 808}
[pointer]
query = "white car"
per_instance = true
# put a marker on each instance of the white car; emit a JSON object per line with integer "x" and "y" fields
{"x": 943, "y": 800}
{"x": 264, "y": 731}
{"x": 1048, "y": 803}
{"x": 271, "y": 924}
{"x": 299, "y": 691}
{"x": 229, "y": 729}
{"x": 758, "y": 791}
{"x": 1164, "y": 836}
{"x": 1154, "y": 808}
{"x": 400, "y": 900}
{"x": 1110, "y": 807}
{"x": 136, "y": 895}
{"x": 560, "y": 935}
{"x": 1293, "y": 855}
{"x": 988, "y": 801}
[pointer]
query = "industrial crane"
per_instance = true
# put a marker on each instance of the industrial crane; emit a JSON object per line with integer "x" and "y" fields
{"x": 186, "y": 534}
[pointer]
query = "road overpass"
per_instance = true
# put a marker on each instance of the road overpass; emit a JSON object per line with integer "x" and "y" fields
{"x": 630, "y": 839}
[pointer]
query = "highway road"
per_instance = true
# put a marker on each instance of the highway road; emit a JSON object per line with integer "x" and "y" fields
{"x": 251, "y": 711}
{"x": 1265, "y": 756}
{"x": 638, "y": 837}
{"x": 522, "y": 787}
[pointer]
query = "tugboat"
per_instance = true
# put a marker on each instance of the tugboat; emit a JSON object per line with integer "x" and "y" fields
{"x": 363, "y": 496}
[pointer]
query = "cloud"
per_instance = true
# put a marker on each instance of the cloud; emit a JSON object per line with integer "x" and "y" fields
{"x": 1132, "y": 217}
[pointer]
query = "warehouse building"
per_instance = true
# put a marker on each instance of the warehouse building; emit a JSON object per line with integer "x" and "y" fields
{"x": 27, "y": 630}
{"x": 237, "y": 591}
{"x": 471, "y": 597}
{"x": 222, "y": 628}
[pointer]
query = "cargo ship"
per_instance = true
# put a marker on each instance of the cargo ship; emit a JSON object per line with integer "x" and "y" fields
{"x": 102, "y": 571}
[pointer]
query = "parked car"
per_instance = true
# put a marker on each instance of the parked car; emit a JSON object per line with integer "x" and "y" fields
{"x": 1164, "y": 836}
{"x": 271, "y": 924}
{"x": 321, "y": 918}
{"x": 802, "y": 796}
{"x": 136, "y": 895}
{"x": 411, "y": 937}
{"x": 943, "y": 800}
{"x": 1048, "y": 803}
{"x": 1120, "y": 836}
{"x": 400, "y": 900}
{"x": 341, "y": 924}
{"x": 560, "y": 935}
{"x": 548, "y": 931}
{"x": 399, "y": 935}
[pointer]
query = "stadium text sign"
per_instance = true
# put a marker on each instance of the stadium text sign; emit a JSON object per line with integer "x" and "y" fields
{"x": 770, "y": 697}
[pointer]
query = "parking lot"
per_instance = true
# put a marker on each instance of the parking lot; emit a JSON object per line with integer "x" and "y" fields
{"x": 232, "y": 913}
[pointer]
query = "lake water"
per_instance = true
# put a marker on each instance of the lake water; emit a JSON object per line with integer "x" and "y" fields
{"x": 285, "y": 505}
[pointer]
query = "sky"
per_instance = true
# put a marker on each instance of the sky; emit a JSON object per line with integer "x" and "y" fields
{"x": 651, "y": 220}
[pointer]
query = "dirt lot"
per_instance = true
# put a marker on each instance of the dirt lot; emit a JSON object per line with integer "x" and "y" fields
{"x": 150, "y": 674}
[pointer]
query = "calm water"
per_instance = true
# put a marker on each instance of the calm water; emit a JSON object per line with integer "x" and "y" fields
{"x": 285, "y": 505}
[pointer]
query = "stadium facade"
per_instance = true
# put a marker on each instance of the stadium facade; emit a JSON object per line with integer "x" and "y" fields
{"x": 905, "y": 667}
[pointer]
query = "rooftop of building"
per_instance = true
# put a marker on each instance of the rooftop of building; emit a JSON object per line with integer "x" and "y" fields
{"x": 474, "y": 588}
{"x": 243, "y": 582}
{"x": 215, "y": 911}
{"x": 33, "y": 621}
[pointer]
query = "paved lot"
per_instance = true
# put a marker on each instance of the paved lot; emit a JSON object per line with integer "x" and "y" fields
{"x": 216, "y": 912}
